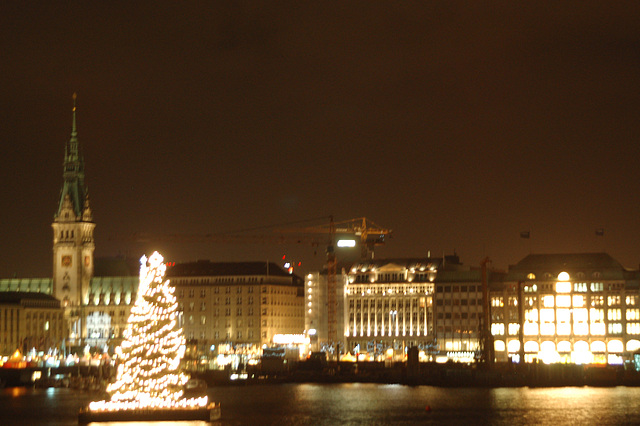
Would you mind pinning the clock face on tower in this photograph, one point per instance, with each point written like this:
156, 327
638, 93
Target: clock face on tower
66, 261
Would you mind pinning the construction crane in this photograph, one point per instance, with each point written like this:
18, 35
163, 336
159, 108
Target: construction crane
371, 235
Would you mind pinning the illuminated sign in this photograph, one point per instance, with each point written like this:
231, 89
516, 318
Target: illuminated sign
290, 339
346, 243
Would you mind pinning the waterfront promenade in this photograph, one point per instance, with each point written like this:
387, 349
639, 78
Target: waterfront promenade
432, 374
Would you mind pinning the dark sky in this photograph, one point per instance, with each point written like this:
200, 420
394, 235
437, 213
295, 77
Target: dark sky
457, 125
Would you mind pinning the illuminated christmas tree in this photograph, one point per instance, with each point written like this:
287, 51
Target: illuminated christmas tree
149, 374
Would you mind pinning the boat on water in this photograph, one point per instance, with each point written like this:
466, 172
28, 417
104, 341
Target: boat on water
195, 387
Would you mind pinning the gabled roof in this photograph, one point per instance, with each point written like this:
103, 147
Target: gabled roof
568, 261
586, 265
23, 297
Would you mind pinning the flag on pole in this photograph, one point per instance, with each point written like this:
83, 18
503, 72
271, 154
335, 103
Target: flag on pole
525, 234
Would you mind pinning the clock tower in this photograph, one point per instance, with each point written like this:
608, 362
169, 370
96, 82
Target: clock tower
73, 243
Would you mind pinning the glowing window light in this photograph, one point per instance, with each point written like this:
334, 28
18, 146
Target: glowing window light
514, 328
497, 329
499, 346
531, 346
598, 346
563, 276
633, 314
614, 359
615, 346
581, 353
633, 328
578, 301
614, 314
548, 354
596, 314
531, 315
580, 328
513, 346
597, 329
563, 301
530, 329
581, 345
615, 328
564, 346
547, 346
548, 301
547, 315
563, 315
564, 329
547, 329
633, 345
563, 287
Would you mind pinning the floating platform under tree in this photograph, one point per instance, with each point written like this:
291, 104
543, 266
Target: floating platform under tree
209, 413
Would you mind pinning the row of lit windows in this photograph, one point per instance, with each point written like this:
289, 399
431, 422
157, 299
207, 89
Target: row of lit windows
579, 315
582, 287
391, 277
394, 303
216, 290
387, 291
564, 301
565, 329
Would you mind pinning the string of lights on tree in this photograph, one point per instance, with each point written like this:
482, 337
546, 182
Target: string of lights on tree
149, 374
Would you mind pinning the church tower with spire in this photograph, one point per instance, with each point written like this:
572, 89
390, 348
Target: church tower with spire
73, 243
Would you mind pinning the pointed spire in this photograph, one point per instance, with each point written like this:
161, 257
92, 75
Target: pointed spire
86, 211
74, 133
73, 154
73, 170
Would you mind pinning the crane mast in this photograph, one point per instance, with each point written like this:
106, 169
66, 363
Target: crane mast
332, 304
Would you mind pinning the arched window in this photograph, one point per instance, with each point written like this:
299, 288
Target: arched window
531, 346
598, 346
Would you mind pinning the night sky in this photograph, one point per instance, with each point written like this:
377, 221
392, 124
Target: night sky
457, 125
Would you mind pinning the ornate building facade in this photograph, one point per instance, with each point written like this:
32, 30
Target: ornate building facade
73, 243
571, 308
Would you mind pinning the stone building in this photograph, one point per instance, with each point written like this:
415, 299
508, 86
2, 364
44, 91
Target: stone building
572, 308
30, 321
237, 303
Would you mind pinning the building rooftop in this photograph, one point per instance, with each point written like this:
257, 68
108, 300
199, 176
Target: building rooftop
568, 261
203, 268
22, 297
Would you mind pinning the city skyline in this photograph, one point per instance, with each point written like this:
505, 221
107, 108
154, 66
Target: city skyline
457, 126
